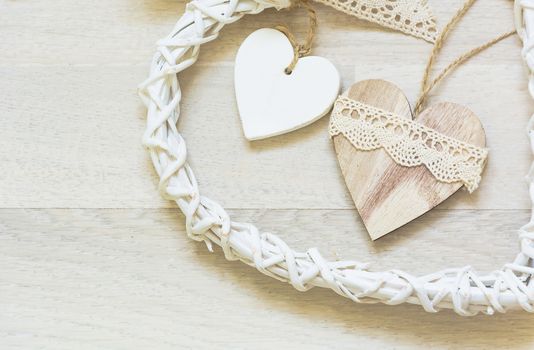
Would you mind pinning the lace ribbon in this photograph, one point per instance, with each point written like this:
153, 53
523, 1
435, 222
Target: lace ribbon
408, 143
412, 17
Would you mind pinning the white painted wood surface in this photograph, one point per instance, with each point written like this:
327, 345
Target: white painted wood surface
91, 257
272, 101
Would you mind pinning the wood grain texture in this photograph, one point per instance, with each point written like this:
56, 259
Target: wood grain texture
128, 279
70, 72
388, 195
126, 276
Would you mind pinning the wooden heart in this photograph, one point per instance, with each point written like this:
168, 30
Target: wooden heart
388, 195
271, 102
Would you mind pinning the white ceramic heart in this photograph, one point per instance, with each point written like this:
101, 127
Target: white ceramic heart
272, 102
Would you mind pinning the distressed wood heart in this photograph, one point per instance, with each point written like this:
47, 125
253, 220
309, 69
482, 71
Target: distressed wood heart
271, 102
388, 195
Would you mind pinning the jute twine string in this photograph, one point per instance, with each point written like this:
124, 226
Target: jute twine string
428, 85
300, 50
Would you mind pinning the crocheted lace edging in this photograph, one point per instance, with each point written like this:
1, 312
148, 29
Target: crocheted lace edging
409, 143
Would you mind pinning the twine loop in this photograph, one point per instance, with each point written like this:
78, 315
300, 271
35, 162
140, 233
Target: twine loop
300, 50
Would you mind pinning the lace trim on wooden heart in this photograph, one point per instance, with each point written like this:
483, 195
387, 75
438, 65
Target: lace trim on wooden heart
409, 16
408, 143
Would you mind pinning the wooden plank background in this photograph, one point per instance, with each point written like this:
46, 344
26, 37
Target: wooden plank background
92, 258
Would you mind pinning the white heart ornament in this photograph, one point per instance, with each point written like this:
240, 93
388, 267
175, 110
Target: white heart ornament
271, 102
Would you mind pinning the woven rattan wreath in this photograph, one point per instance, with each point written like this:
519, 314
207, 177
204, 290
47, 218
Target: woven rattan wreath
460, 289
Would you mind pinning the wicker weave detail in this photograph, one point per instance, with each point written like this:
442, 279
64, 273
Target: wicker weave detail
460, 289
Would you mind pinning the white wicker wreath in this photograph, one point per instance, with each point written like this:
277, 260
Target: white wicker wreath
460, 289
